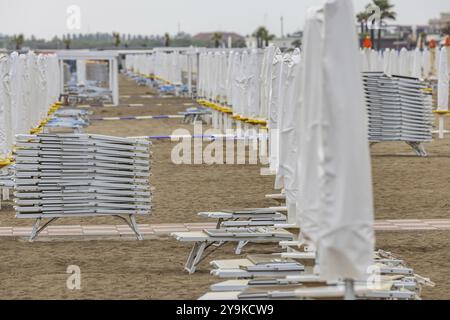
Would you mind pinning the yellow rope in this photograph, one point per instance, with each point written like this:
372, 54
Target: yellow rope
36, 130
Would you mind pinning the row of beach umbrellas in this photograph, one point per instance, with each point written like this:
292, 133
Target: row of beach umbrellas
29, 86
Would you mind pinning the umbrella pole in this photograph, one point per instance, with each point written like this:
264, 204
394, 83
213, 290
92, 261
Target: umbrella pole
349, 290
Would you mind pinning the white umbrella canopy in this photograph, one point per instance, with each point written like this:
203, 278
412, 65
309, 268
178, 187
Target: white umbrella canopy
376, 61
283, 147
365, 60
256, 58
4, 114
288, 133
426, 63
311, 126
443, 81
346, 241
242, 81
448, 57
235, 88
404, 63
229, 78
393, 62
416, 71
266, 81
273, 118
386, 60
335, 148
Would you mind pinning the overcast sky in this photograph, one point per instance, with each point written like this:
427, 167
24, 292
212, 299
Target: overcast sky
45, 18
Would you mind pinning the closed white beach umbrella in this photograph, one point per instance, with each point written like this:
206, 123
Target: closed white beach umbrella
443, 81
426, 63
376, 62
416, 64
386, 60
346, 240
284, 86
393, 63
404, 63
335, 195
266, 81
273, 119
288, 133
256, 58
365, 57
311, 126
5, 110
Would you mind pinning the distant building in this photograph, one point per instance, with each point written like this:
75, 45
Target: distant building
289, 42
440, 23
251, 42
208, 36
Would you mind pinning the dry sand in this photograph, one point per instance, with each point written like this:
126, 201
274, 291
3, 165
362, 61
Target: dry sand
406, 187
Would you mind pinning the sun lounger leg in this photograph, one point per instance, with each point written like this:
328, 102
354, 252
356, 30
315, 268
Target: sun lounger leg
133, 225
195, 257
418, 148
37, 230
5, 194
240, 246
135, 228
349, 290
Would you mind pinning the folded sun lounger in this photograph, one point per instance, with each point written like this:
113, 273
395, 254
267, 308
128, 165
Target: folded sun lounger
214, 239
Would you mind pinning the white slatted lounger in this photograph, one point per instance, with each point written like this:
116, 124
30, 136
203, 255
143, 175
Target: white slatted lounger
277, 197
240, 285
260, 266
247, 218
214, 239
245, 268
257, 217
312, 292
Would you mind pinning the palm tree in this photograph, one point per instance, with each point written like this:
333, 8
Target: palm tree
116, 37
386, 14
67, 42
263, 37
260, 34
18, 40
268, 38
167, 39
217, 38
362, 18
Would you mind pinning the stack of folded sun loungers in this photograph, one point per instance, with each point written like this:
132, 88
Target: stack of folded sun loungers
398, 107
81, 175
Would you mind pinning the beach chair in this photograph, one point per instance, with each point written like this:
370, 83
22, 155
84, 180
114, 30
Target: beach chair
215, 239
192, 115
6, 183
246, 218
313, 291
280, 197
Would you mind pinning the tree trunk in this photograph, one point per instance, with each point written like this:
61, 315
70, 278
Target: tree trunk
379, 38
372, 33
